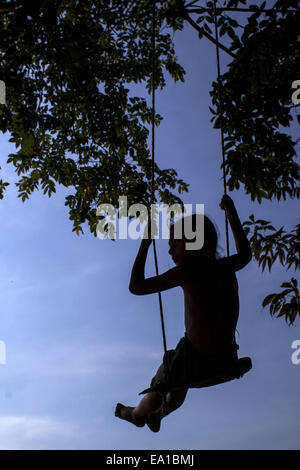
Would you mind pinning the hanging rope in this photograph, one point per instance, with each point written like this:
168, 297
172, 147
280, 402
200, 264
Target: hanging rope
153, 195
221, 118
153, 164
220, 110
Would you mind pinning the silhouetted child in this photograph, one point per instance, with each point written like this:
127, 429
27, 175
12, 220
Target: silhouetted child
211, 307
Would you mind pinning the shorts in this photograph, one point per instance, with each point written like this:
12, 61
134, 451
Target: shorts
186, 365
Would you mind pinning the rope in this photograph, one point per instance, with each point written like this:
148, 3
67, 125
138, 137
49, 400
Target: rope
221, 120
221, 116
153, 196
153, 164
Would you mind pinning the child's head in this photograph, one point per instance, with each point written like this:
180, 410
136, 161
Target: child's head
180, 246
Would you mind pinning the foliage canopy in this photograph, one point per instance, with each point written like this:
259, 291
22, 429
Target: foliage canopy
68, 67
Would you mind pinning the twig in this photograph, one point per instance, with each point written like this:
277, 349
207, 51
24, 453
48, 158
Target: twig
207, 35
245, 10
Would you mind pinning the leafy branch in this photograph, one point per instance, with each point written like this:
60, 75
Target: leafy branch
285, 303
269, 245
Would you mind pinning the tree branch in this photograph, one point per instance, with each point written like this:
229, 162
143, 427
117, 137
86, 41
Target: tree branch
207, 35
242, 10
10, 7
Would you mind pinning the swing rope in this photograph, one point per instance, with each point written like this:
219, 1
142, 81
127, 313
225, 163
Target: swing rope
153, 164
153, 197
153, 142
243, 365
220, 110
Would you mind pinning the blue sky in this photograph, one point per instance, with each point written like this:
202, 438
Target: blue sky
78, 342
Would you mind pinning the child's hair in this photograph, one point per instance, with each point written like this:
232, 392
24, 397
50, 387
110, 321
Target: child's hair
209, 247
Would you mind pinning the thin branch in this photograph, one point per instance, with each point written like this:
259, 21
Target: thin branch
11, 7
208, 36
191, 3
245, 10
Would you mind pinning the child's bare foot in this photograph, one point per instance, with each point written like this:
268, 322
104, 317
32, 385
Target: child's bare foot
126, 412
153, 420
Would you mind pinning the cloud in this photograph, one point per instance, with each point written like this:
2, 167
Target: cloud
84, 356
37, 433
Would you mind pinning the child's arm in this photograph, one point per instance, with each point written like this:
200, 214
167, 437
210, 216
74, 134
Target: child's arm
140, 286
244, 255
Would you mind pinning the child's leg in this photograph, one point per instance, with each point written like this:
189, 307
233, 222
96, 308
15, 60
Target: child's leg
175, 398
137, 415
150, 407
148, 404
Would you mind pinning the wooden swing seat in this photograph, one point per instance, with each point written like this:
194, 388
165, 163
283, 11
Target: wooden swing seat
235, 370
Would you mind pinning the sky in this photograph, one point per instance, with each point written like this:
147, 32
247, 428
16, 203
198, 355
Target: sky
77, 341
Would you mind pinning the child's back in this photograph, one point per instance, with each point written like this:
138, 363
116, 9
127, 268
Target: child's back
211, 304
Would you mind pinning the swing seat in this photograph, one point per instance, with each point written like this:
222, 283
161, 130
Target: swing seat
235, 370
